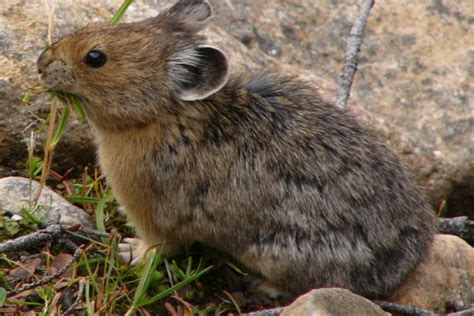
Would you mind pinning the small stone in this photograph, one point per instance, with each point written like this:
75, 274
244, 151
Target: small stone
444, 278
15, 195
17, 217
332, 301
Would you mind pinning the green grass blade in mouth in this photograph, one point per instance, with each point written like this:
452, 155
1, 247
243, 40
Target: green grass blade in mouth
120, 12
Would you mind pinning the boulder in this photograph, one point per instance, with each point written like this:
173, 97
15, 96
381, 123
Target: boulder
412, 87
16, 195
443, 280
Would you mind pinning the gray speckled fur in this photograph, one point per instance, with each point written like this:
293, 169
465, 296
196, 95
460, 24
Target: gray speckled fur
263, 169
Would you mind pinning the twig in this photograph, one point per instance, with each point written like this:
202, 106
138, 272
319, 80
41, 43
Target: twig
187, 305
51, 233
67, 243
92, 232
75, 258
40, 237
460, 226
171, 309
232, 299
353, 44
78, 298
403, 309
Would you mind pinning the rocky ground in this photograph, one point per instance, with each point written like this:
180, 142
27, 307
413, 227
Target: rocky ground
414, 87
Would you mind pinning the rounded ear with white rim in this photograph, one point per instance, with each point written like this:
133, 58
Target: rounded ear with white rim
197, 12
198, 72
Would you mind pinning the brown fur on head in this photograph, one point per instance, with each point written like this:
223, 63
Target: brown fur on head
129, 73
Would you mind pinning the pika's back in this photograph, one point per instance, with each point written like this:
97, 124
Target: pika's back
306, 185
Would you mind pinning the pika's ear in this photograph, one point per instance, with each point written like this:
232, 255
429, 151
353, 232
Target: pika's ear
196, 73
196, 12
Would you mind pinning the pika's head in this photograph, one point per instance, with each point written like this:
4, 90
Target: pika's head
130, 71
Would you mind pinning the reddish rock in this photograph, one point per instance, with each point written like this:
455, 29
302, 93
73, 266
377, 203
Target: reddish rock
331, 302
444, 278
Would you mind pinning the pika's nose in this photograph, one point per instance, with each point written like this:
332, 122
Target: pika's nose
44, 60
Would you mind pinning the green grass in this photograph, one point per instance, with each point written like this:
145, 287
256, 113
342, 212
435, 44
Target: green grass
196, 281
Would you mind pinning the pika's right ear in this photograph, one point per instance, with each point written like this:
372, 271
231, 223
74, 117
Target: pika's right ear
198, 72
195, 12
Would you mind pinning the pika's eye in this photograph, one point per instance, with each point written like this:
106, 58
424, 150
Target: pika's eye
95, 59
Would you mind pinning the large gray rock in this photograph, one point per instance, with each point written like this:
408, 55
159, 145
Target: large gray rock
414, 84
16, 194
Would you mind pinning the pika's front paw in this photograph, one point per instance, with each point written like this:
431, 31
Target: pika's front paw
267, 288
132, 250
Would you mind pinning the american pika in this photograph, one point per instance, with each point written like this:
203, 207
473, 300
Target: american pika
259, 166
